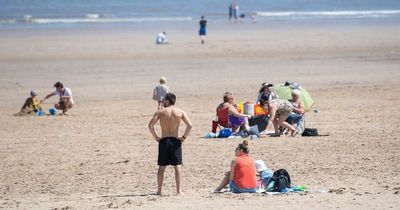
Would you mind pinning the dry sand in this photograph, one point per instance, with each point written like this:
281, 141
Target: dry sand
102, 156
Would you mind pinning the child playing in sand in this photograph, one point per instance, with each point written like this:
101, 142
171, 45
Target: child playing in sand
160, 91
31, 105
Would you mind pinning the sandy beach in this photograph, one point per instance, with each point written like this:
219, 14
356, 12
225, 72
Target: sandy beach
102, 155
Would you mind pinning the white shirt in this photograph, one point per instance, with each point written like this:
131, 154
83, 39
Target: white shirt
160, 91
161, 39
67, 92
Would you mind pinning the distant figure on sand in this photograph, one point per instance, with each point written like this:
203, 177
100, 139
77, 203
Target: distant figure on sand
242, 175
66, 101
230, 11
236, 11
169, 144
31, 105
203, 29
161, 38
160, 91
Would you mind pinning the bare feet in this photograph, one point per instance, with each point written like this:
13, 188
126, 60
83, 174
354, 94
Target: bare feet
179, 193
294, 133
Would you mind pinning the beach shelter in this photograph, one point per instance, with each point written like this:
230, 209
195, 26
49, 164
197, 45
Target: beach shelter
285, 92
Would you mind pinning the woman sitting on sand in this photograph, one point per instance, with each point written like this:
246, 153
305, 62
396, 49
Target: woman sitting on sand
236, 119
242, 176
279, 111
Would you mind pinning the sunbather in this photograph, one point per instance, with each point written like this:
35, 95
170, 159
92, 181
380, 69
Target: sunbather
236, 119
242, 175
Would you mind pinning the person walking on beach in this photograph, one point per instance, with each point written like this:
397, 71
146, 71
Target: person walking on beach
203, 30
66, 101
169, 144
160, 91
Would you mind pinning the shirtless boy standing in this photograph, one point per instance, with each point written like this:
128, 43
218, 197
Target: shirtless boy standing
169, 144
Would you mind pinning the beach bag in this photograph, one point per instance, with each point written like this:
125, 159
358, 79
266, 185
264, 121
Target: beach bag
279, 181
225, 133
310, 132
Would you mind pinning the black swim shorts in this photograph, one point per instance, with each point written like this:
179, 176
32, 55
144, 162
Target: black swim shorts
169, 152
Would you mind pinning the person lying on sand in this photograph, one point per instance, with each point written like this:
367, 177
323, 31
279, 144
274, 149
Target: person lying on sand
169, 144
242, 176
66, 101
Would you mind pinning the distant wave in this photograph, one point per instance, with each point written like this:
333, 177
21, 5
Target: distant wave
97, 19
344, 13
90, 18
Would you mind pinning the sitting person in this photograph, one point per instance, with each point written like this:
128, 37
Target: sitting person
264, 173
267, 90
242, 175
260, 117
279, 111
66, 101
31, 105
161, 38
296, 116
236, 119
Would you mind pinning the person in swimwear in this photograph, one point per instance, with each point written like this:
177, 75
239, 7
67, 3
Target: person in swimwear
169, 144
236, 119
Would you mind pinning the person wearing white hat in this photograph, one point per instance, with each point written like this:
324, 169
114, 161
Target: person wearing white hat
160, 91
264, 172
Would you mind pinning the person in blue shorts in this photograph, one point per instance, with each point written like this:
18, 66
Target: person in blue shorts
203, 29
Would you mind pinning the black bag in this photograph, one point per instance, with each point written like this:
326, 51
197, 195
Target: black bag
310, 132
279, 181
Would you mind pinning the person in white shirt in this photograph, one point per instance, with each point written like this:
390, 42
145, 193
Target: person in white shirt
161, 38
66, 101
160, 91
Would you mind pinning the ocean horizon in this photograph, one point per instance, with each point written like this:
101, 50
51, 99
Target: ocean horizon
58, 13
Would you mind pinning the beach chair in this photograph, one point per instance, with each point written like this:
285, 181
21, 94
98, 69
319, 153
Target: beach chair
222, 120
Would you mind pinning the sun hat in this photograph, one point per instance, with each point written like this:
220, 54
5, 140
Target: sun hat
33, 93
263, 85
260, 166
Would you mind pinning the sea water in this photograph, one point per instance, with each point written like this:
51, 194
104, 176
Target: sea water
56, 13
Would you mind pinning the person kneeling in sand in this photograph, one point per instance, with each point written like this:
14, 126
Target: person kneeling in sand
279, 111
66, 101
31, 105
169, 145
242, 176
162, 38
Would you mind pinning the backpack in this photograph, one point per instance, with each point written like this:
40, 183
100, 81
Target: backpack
279, 181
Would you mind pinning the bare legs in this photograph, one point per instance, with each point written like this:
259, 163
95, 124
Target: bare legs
224, 182
64, 106
280, 121
160, 105
160, 178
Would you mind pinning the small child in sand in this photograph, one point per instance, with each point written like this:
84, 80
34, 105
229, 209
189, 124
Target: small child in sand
264, 173
160, 91
31, 105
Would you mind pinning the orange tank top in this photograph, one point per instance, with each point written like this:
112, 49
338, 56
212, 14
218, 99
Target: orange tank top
245, 172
